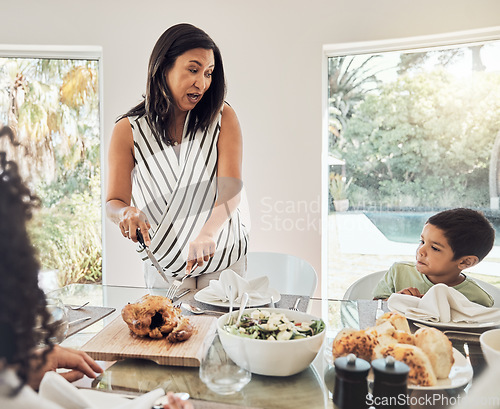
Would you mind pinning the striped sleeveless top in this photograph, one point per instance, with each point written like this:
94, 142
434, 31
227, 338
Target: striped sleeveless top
177, 191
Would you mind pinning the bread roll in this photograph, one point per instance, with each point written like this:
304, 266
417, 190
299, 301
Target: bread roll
351, 341
383, 342
403, 337
397, 337
385, 328
397, 320
438, 348
421, 371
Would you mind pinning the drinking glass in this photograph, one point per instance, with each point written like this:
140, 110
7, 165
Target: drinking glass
219, 372
58, 320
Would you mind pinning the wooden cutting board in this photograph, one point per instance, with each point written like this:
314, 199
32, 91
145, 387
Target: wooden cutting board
116, 342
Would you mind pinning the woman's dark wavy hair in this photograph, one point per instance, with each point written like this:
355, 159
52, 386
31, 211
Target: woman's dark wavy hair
158, 104
22, 302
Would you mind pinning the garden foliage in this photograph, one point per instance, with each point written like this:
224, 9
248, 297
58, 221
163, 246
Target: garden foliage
423, 140
53, 107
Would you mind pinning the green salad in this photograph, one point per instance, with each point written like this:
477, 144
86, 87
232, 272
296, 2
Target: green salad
263, 324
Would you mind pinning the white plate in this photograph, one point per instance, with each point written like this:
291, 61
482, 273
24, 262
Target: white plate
461, 325
460, 374
201, 297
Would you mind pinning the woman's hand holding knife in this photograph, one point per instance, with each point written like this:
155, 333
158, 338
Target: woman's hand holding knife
133, 220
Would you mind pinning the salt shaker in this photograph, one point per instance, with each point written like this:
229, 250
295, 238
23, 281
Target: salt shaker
351, 388
390, 388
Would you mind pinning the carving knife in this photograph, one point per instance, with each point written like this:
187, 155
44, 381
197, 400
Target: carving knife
152, 258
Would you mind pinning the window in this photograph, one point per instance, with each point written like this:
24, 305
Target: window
50, 98
412, 128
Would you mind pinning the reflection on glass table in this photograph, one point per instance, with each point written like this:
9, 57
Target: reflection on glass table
311, 388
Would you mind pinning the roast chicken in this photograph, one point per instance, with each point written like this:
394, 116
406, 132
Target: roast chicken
156, 317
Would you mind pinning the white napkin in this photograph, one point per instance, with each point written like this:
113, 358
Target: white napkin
257, 289
55, 388
443, 304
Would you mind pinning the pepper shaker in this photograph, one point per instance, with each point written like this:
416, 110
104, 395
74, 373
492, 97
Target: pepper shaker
351, 388
390, 387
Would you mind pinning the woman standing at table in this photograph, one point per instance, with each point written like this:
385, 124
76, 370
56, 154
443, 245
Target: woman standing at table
175, 164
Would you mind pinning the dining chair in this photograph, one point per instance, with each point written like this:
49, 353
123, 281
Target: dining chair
362, 288
287, 274
491, 289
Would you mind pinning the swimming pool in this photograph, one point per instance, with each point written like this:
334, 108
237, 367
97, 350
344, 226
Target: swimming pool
406, 227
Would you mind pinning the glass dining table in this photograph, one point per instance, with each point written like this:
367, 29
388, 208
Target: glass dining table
311, 388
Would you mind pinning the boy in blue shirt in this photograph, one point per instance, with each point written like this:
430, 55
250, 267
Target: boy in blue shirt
451, 241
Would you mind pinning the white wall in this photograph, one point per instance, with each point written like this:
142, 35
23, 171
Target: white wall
272, 52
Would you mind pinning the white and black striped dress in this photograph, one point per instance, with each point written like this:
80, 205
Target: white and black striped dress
176, 191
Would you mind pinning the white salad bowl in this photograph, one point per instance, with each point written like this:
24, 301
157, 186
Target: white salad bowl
272, 358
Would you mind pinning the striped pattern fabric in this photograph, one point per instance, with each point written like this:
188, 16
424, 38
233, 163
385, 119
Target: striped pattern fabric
176, 188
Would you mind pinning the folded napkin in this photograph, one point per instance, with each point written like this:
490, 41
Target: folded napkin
257, 289
443, 304
56, 389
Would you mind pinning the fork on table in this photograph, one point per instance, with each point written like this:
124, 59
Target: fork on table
380, 311
77, 307
296, 305
174, 287
467, 355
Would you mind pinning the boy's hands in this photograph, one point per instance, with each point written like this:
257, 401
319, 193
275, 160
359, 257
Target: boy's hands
411, 291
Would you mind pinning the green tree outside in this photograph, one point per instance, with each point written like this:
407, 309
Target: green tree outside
53, 107
423, 140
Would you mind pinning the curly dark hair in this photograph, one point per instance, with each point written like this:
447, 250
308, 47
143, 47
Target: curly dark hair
22, 302
158, 104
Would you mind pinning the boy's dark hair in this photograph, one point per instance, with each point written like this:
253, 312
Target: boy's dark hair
468, 232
